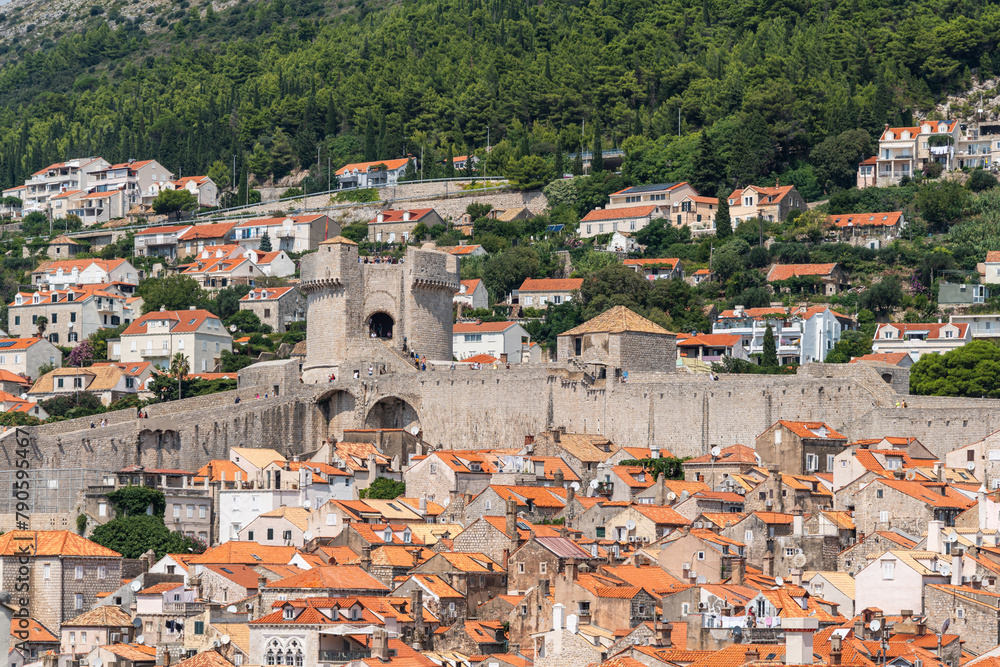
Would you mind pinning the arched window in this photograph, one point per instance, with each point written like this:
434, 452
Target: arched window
289, 657
298, 659
269, 658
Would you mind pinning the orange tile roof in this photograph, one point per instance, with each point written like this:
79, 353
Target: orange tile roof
340, 577
933, 329
890, 219
669, 261
34, 632
662, 515
732, 454
467, 249
812, 430
550, 284
248, 553
993, 256
187, 320
771, 194
214, 230
622, 213
219, 466
480, 359
773, 517
711, 340
241, 575
51, 543
133, 652
891, 358
755, 313
786, 271
482, 327
390, 215
921, 491
366, 166
161, 588
274, 222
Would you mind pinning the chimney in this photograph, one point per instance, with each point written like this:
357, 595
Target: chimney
751, 655
558, 478
663, 630
555, 435
544, 585
956, 567
195, 582
511, 525
261, 583
573, 623
417, 612
797, 521
661, 490
769, 564
940, 472
835, 643
799, 639
570, 570
739, 572
380, 645
366, 558
982, 506
558, 616
570, 495
934, 536
423, 503
797, 577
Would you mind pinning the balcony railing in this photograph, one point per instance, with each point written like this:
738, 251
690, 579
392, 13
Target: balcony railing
147, 352
343, 656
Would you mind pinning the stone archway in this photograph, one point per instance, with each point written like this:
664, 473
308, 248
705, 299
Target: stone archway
380, 324
337, 408
393, 412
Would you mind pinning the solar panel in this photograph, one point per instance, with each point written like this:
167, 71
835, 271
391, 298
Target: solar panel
8, 343
554, 228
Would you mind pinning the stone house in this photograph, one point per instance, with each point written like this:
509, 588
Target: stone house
532, 502
474, 575
583, 452
760, 533
780, 493
710, 502
24, 357
60, 247
907, 505
391, 562
732, 460
644, 524
64, 274
563, 645
531, 614
800, 448
276, 307
543, 558
982, 458
472, 637
689, 555
439, 598
591, 516
472, 295
772, 204
657, 269
896, 580
294, 233
540, 292
616, 342
66, 572
396, 226
102, 625
869, 547
227, 583
829, 278
601, 600
324, 581
73, 314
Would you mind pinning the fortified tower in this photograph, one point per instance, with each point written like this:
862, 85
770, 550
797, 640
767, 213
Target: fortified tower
348, 301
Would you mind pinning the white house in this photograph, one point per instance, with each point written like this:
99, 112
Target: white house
506, 341
920, 338
472, 294
159, 335
822, 328
68, 273
895, 581
203, 188
371, 174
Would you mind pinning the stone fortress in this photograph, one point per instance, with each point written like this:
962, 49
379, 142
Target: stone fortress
349, 300
361, 314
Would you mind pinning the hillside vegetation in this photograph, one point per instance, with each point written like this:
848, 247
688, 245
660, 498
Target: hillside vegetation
777, 82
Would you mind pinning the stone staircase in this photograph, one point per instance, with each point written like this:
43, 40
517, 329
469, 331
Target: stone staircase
381, 355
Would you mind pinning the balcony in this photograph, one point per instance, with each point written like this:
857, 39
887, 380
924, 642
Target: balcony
150, 353
343, 656
285, 233
605, 488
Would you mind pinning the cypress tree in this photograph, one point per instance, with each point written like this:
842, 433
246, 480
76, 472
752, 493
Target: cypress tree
769, 358
450, 162
265, 243
723, 225
371, 141
597, 160
560, 159
707, 167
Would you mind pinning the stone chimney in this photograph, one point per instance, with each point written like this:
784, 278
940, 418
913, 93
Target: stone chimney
797, 521
380, 645
366, 558
769, 565
417, 612
510, 527
195, 582
570, 570
956, 567
558, 478
261, 583
661, 490
751, 655
663, 630
835, 644
739, 572
799, 634
570, 494
796, 576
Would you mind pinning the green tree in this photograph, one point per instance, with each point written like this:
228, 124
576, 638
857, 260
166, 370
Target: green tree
708, 168
597, 159
219, 173
384, 488
227, 300
174, 292
753, 152
135, 535
247, 322
172, 202
614, 285
851, 344
506, 271
356, 232
836, 158
449, 163
282, 156
882, 297
265, 242
980, 180
941, 203
529, 172
41, 324
769, 357
723, 225
138, 500
972, 371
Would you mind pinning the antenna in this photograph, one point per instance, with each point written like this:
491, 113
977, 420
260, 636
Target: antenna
137, 622
135, 585
671, 496
630, 524
594, 484
971, 466
875, 625
307, 504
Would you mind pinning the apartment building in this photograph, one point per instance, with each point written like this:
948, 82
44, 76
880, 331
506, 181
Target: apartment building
197, 238
13, 209
628, 219
505, 341
59, 178
214, 274
73, 314
390, 226
61, 275
916, 339
294, 233
803, 336
24, 356
159, 241
540, 292
158, 336
202, 188
276, 307
660, 194
371, 174
138, 181
696, 213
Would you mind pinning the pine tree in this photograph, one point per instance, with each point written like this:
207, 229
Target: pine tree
597, 160
707, 167
560, 159
577, 168
723, 225
265, 242
371, 141
769, 357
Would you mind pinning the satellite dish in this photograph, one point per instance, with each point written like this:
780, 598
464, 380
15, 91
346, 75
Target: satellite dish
911, 475
952, 537
945, 626
307, 504
630, 524
757, 458
716, 451
414, 430
216, 644
779, 581
136, 586
799, 560
97, 662
307, 535
701, 579
232, 327
575, 486
136, 622
946, 570
875, 625
971, 466
671, 496
225, 639
231, 609
24, 396
594, 484
684, 495
737, 632
141, 639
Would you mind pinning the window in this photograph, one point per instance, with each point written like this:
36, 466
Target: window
102, 572
829, 461
199, 627
520, 568
202, 511
701, 555
267, 312
250, 535
204, 346
17, 319
748, 536
685, 608
542, 568
959, 612
83, 637
78, 574
878, 493
190, 511
102, 509
72, 637
812, 462
434, 467
473, 338
72, 317
970, 455
883, 516
789, 553
270, 533
47, 571
77, 383
600, 531
286, 535
177, 511
59, 383
78, 601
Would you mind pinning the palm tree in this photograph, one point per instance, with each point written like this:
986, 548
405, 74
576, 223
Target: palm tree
179, 367
42, 323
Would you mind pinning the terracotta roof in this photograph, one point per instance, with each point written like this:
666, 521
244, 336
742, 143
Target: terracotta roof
622, 213
277, 222
36, 632
297, 516
551, 284
479, 359
482, 327
812, 430
17, 343
206, 658
186, 321
711, 340
216, 230
772, 195
436, 586
470, 286
914, 131
617, 320
669, 261
51, 543
662, 515
244, 576
219, 466
133, 652
366, 166
730, 454
161, 588
467, 249
471, 561
921, 491
249, 553
104, 378
773, 517
390, 215
755, 313
786, 271
890, 219
102, 616
340, 577
993, 256
891, 358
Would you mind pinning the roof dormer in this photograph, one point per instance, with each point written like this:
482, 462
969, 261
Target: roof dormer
926, 128
905, 134
942, 127
889, 135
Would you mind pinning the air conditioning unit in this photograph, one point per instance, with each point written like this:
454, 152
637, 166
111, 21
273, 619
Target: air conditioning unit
645, 539
702, 605
685, 566
768, 503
